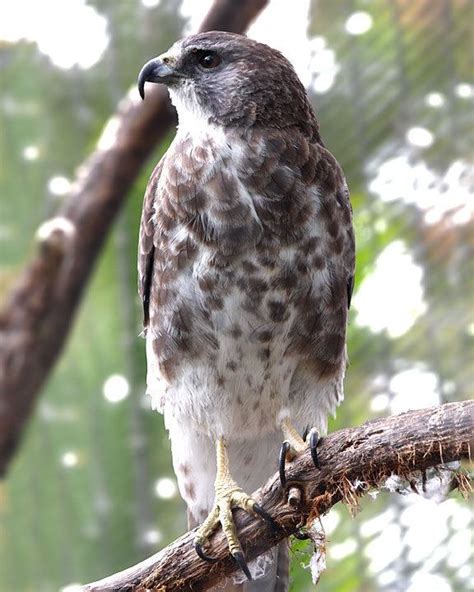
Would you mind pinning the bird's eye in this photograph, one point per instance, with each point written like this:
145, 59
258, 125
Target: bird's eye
208, 59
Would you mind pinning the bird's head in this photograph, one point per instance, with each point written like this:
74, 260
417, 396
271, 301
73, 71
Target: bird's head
230, 80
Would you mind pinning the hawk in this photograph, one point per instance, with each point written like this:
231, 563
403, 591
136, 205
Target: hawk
246, 267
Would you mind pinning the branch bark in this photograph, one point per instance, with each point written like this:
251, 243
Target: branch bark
401, 445
39, 312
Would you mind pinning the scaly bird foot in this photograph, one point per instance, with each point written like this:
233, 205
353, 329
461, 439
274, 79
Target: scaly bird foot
228, 496
293, 445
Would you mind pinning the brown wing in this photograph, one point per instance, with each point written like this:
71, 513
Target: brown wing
146, 243
348, 259
306, 203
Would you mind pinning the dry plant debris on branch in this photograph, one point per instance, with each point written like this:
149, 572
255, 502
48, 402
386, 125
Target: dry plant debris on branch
353, 461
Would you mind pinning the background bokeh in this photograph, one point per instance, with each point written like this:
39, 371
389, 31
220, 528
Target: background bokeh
91, 490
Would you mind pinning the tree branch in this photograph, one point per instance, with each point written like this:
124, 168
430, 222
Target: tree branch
38, 314
401, 445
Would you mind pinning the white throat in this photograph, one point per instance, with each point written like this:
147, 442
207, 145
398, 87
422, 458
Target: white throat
192, 119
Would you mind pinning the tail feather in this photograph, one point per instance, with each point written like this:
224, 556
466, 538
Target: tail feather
282, 582
276, 579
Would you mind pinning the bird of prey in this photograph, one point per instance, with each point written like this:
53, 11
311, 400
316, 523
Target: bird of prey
246, 267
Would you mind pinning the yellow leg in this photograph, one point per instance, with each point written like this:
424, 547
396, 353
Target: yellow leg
292, 436
228, 495
294, 444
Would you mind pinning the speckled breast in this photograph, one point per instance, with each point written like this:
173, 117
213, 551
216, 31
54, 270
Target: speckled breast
249, 292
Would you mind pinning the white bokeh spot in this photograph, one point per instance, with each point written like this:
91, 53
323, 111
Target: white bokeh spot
272, 28
59, 225
330, 521
396, 281
31, 152
152, 536
419, 137
423, 581
438, 195
74, 587
359, 23
165, 488
384, 548
464, 90
150, 3
379, 402
417, 380
116, 388
59, 185
69, 459
435, 100
338, 551
70, 33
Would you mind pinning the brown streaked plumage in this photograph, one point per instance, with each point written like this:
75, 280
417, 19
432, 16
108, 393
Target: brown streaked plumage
246, 265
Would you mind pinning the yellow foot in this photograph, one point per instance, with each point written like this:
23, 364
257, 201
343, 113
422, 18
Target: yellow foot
228, 496
294, 444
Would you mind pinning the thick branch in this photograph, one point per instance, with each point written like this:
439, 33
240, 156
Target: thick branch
38, 314
400, 445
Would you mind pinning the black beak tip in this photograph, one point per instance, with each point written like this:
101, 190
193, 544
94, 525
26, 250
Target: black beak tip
142, 78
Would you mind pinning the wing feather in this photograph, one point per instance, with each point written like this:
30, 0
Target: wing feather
146, 243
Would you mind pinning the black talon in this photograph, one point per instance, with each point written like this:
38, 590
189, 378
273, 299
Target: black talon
266, 516
301, 535
199, 550
282, 462
240, 560
313, 443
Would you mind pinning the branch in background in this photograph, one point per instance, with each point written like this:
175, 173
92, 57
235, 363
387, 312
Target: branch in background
352, 461
39, 312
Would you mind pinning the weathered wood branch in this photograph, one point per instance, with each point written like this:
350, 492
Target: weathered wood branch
400, 445
39, 312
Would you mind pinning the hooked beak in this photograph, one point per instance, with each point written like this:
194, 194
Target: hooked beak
156, 70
